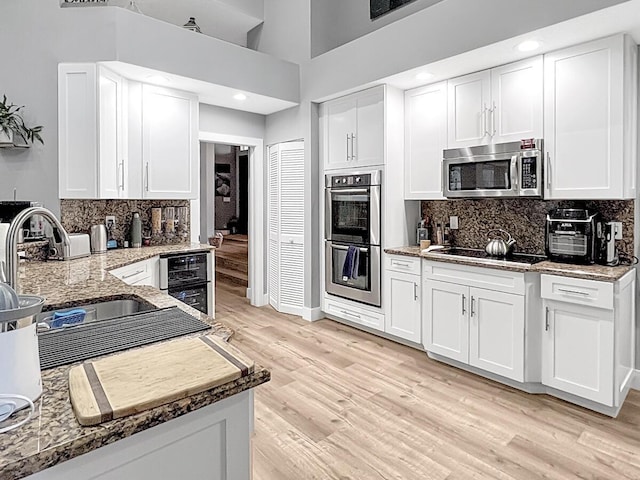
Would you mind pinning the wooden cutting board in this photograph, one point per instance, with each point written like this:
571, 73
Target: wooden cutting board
141, 379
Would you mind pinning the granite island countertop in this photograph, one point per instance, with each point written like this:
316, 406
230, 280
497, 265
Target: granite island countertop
588, 272
54, 435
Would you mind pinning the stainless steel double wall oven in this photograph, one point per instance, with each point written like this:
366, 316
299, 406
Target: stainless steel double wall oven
353, 218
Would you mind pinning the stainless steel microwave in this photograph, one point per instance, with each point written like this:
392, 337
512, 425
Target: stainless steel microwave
512, 169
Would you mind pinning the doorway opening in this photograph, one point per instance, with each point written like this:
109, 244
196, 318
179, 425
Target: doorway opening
232, 204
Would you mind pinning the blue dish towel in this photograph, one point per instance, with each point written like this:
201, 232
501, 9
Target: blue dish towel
351, 264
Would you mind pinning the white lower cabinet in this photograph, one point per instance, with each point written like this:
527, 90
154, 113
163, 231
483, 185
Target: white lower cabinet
496, 332
402, 317
588, 341
146, 272
481, 327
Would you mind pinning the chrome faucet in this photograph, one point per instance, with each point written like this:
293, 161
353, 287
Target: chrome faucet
59, 244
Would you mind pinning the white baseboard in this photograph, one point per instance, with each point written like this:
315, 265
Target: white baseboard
635, 381
248, 293
312, 314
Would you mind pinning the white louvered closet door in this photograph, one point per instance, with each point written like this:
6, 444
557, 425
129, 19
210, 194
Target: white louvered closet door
286, 227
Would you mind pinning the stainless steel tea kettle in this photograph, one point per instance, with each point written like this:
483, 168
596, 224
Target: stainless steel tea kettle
498, 247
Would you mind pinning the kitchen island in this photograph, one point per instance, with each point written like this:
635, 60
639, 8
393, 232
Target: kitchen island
163, 437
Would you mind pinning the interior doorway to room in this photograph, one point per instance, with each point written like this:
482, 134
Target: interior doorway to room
225, 211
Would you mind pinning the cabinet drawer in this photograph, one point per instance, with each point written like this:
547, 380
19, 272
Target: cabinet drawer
133, 273
577, 290
472, 276
355, 315
403, 264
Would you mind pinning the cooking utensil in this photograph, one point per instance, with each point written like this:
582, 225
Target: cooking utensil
498, 247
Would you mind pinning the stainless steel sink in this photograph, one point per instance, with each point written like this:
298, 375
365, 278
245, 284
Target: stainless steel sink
101, 310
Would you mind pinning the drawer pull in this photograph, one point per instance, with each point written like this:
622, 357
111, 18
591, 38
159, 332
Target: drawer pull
415, 291
574, 292
464, 300
546, 319
349, 314
132, 274
400, 264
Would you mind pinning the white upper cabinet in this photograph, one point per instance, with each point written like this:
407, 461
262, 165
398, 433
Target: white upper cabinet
516, 101
77, 131
169, 143
425, 139
353, 130
469, 100
590, 107
500, 105
111, 144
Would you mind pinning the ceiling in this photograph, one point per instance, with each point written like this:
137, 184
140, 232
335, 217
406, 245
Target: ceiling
228, 20
209, 93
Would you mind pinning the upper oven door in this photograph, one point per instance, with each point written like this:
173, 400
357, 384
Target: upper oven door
486, 176
352, 215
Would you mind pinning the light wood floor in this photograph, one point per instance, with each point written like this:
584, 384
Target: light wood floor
343, 404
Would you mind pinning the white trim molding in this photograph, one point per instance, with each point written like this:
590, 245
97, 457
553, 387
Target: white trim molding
257, 200
312, 314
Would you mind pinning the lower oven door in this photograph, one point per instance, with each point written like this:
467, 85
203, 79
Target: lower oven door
365, 287
196, 296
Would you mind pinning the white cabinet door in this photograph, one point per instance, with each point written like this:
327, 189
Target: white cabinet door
516, 101
170, 151
340, 126
286, 227
111, 145
368, 144
578, 351
77, 131
496, 333
445, 319
469, 100
584, 121
425, 139
402, 317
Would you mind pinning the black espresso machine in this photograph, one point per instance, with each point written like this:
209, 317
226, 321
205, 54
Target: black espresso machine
571, 235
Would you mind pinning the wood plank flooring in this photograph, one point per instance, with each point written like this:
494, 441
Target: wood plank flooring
343, 404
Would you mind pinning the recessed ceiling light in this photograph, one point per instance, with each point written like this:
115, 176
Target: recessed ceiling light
529, 45
159, 79
424, 76
240, 96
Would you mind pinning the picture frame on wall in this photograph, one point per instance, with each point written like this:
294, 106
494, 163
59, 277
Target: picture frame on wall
380, 7
223, 180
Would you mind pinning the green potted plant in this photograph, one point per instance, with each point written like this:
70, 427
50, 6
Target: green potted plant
12, 125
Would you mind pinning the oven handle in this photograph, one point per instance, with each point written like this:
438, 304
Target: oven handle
515, 173
349, 190
340, 247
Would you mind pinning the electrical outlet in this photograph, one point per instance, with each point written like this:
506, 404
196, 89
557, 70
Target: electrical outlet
453, 223
617, 230
110, 221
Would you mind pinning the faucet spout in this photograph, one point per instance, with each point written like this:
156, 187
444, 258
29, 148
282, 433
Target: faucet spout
60, 241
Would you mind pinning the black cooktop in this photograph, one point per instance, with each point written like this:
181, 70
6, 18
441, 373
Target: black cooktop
484, 256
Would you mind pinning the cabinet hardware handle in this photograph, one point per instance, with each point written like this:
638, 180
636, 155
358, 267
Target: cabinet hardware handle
473, 301
132, 274
146, 183
484, 120
548, 170
400, 264
464, 300
493, 118
344, 312
415, 291
573, 292
546, 319
122, 174
348, 157
354, 155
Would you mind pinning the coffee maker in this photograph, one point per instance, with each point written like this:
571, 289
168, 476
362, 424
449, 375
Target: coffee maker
608, 233
33, 229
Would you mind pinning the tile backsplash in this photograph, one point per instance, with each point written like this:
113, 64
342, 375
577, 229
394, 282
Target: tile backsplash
523, 218
77, 216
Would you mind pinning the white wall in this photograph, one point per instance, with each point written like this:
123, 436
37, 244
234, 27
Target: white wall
231, 122
435, 33
336, 22
285, 32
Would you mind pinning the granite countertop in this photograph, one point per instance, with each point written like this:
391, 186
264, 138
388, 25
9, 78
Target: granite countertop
588, 272
54, 434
